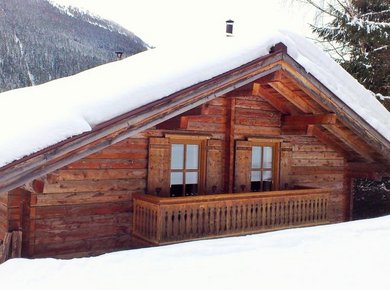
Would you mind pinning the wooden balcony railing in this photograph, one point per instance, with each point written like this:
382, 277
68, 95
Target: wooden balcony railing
161, 221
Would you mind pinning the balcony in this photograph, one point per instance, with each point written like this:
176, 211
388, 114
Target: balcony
162, 220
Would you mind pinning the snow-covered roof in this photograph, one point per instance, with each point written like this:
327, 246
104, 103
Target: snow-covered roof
36, 117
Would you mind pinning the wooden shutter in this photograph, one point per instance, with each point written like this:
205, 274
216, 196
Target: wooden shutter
215, 167
158, 166
242, 178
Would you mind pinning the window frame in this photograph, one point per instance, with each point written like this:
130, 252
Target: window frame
190, 140
275, 145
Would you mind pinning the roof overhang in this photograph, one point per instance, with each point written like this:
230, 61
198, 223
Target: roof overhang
129, 124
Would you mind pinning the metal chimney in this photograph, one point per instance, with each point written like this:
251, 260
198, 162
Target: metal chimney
229, 27
119, 54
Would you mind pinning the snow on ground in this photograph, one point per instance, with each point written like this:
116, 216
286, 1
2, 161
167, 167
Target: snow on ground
348, 256
35, 118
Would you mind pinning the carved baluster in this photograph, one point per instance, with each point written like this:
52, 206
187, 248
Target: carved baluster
170, 224
165, 225
273, 213
218, 220
228, 217
309, 210
241, 217
190, 230
296, 212
196, 223
276, 214
146, 222
149, 223
202, 218
316, 209
183, 222
313, 210
267, 214
142, 220
256, 215
211, 222
250, 216
225, 219
177, 223
263, 214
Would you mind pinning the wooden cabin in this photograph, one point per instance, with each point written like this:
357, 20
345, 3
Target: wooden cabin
261, 147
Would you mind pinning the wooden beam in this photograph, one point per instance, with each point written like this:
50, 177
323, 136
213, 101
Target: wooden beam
294, 129
298, 124
293, 98
36, 185
315, 131
274, 101
323, 119
351, 140
274, 77
365, 170
328, 100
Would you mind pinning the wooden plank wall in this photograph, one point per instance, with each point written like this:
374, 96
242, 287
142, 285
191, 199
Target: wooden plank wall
3, 214
85, 208
255, 117
316, 165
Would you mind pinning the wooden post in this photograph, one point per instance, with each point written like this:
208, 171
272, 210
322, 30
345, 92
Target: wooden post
229, 157
11, 246
16, 251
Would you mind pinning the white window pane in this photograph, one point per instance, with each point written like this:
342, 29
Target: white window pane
267, 162
256, 157
255, 176
176, 178
192, 158
267, 175
192, 178
177, 156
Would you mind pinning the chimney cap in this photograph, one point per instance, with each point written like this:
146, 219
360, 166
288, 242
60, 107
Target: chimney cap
119, 54
229, 27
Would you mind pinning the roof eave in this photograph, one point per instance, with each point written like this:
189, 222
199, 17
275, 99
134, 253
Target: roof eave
344, 112
119, 128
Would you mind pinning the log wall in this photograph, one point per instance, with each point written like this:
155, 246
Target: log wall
3, 214
86, 207
316, 165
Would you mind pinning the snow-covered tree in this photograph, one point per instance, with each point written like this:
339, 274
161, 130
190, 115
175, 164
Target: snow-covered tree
357, 34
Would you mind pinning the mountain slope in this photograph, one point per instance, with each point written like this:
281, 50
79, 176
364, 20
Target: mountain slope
40, 42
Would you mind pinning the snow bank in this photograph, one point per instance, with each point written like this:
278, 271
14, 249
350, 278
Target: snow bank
37, 117
351, 255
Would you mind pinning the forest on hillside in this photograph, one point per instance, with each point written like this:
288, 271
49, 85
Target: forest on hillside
41, 42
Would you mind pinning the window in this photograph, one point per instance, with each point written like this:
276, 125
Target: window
262, 168
177, 165
257, 164
185, 169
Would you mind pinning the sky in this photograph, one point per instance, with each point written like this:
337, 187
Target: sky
159, 22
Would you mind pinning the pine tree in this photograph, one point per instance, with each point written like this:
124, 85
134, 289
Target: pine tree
357, 35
